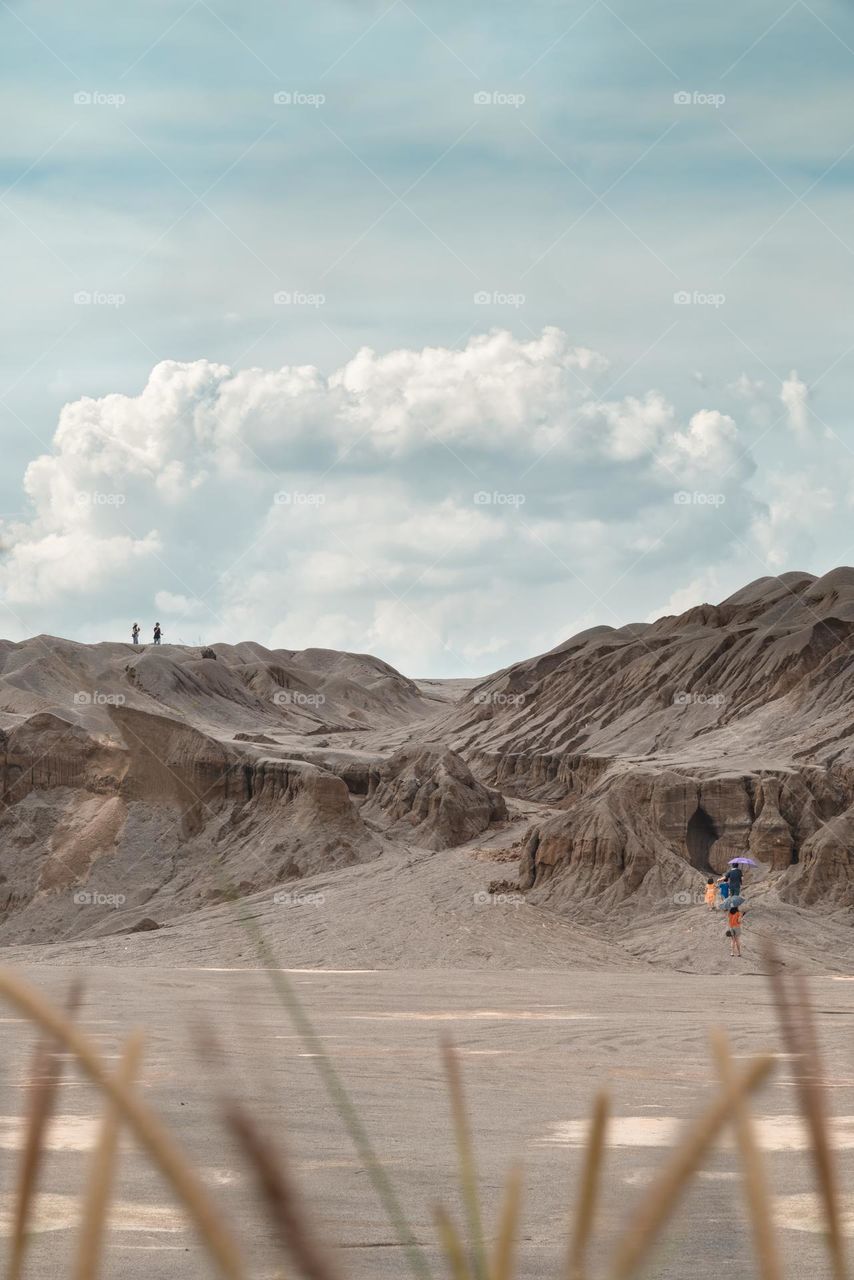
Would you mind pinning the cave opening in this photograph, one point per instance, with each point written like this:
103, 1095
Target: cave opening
700, 837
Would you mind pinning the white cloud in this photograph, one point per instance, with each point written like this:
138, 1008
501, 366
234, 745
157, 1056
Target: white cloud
786, 532
177, 605
795, 397
706, 588
423, 503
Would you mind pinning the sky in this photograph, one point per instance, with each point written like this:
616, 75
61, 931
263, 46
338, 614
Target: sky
436, 331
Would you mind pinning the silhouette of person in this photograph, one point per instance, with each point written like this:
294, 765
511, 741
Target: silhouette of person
135, 633
157, 633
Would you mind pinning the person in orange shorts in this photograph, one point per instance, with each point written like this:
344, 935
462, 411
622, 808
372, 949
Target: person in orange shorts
734, 931
711, 894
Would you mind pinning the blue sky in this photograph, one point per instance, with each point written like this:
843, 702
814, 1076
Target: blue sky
384, 199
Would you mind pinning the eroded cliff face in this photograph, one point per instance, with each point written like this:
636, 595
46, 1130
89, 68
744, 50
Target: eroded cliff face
632, 819
156, 814
429, 795
726, 731
662, 750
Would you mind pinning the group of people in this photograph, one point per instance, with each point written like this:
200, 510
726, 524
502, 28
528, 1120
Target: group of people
135, 633
725, 894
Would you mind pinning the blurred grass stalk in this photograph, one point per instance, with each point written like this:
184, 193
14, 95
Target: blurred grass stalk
464, 1260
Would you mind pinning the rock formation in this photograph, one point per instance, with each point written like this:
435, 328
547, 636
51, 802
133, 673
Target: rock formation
429, 795
158, 780
728, 730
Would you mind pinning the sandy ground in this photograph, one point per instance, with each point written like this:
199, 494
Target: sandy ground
535, 1047
413, 909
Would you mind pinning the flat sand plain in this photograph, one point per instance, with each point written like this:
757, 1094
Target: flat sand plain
535, 1044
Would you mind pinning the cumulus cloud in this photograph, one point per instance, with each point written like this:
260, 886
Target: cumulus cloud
795, 397
422, 503
176, 605
797, 505
706, 588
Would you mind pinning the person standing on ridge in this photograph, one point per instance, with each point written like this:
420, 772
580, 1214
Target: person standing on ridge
157, 633
135, 633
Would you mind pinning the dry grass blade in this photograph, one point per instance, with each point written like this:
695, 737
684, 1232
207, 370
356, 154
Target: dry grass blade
287, 1212
415, 1257
148, 1130
97, 1200
799, 1032
662, 1198
585, 1213
46, 1074
799, 1035
465, 1153
758, 1199
452, 1245
508, 1226
813, 1076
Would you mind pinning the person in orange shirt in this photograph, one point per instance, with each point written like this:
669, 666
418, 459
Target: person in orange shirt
711, 894
734, 931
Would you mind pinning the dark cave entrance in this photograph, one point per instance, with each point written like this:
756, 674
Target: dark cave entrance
700, 837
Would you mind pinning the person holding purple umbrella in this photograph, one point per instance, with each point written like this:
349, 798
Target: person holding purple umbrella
734, 874
733, 879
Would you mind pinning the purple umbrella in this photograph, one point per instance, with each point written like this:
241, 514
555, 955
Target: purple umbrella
748, 862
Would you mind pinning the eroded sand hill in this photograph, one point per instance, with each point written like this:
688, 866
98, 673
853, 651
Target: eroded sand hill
568, 807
